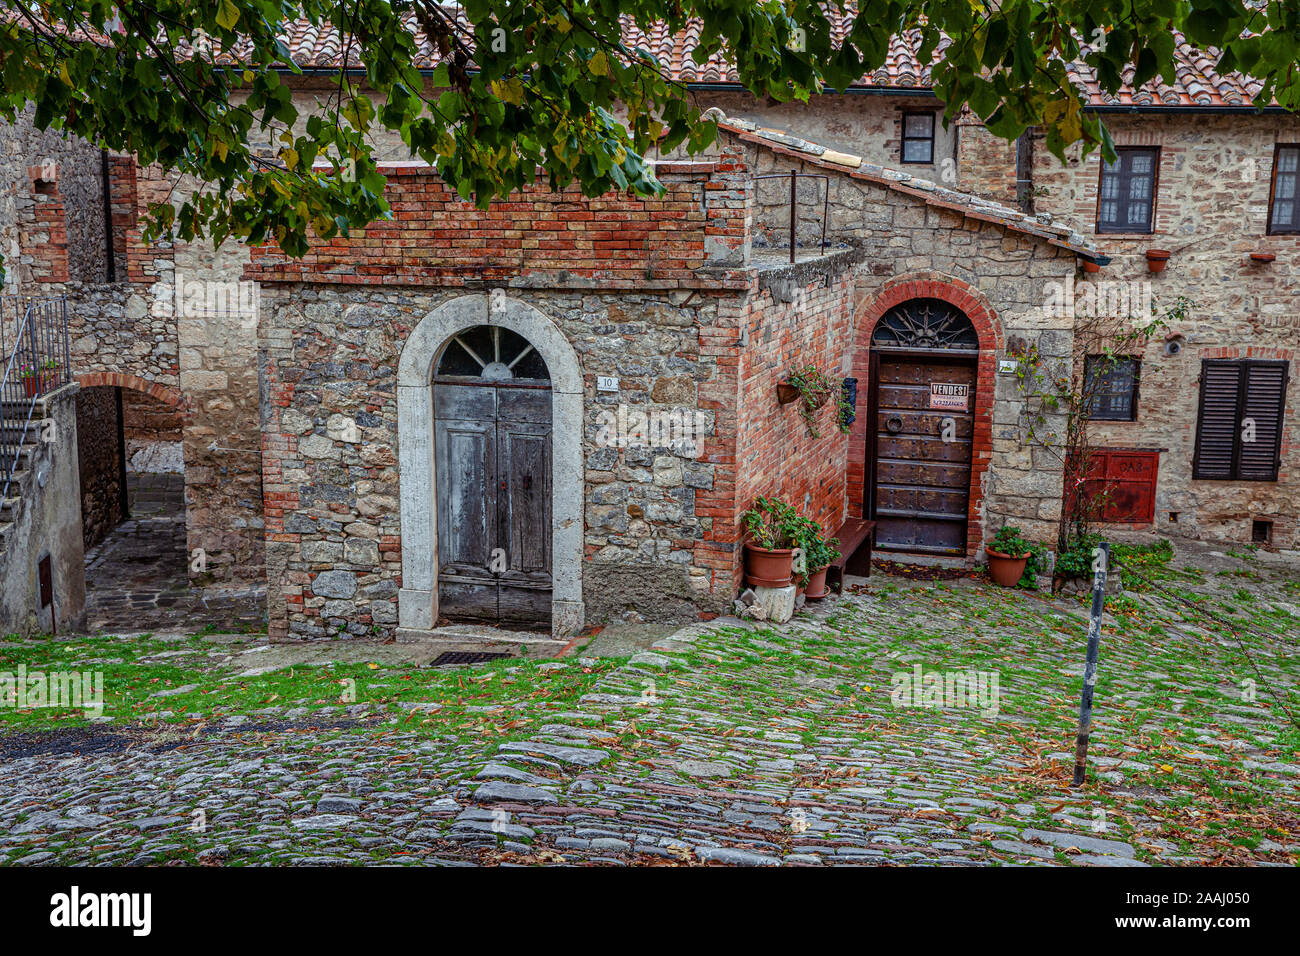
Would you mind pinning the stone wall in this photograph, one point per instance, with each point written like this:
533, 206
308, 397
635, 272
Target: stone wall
329, 418
1211, 211
51, 208
99, 458
330, 448
863, 124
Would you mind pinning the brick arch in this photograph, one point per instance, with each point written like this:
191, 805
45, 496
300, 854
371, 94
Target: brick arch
930, 285
163, 393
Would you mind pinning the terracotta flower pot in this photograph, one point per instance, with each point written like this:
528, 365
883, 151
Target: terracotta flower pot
786, 393
1090, 266
768, 568
1157, 259
1005, 569
31, 385
816, 585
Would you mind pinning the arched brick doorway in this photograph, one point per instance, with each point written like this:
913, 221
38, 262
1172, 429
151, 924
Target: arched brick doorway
939, 337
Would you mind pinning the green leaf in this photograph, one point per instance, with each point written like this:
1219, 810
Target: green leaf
227, 14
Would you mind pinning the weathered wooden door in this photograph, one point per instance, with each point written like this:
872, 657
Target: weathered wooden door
923, 377
492, 452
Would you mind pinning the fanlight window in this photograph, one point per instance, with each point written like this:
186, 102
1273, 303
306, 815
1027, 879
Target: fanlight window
493, 354
925, 324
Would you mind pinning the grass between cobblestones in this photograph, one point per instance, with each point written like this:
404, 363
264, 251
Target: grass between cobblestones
761, 742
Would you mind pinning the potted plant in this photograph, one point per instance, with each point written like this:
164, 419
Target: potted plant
1008, 553
770, 527
31, 381
1157, 259
818, 553
49, 376
815, 387
821, 554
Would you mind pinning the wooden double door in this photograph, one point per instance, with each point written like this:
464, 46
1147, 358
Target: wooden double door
492, 452
919, 469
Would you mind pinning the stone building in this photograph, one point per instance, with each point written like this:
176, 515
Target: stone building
303, 397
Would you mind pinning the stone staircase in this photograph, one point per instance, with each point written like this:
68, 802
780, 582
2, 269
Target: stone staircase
13, 415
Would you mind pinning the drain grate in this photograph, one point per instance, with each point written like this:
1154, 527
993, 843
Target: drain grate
466, 657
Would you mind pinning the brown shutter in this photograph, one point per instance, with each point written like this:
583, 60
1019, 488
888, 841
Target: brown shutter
1265, 399
1217, 425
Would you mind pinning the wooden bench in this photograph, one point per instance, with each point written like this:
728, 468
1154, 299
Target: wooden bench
856, 538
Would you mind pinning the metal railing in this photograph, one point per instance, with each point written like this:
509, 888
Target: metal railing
34, 346
794, 176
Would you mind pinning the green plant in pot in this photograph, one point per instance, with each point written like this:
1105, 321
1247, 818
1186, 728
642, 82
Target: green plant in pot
1008, 553
771, 527
819, 554
815, 388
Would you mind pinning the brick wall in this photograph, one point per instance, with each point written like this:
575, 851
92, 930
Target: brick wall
986, 164
801, 315
437, 238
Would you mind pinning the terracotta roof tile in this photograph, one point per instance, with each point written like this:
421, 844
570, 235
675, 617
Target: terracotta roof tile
1197, 82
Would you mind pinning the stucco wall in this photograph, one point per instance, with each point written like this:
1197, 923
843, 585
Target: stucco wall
46, 521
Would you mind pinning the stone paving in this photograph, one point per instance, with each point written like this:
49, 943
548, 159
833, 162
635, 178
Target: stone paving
137, 578
723, 744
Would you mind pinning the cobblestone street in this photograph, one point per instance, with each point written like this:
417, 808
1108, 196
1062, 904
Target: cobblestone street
725, 743
137, 578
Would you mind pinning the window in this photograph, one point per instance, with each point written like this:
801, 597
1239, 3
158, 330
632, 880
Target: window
918, 137
1111, 386
1128, 189
1239, 427
1284, 205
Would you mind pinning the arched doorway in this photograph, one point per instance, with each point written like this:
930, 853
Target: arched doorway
923, 375
492, 454
422, 498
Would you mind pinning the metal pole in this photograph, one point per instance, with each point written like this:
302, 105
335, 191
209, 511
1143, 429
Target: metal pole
794, 174
1101, 562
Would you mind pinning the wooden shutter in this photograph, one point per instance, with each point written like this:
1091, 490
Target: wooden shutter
1264, 401
1231, 393
1217, 426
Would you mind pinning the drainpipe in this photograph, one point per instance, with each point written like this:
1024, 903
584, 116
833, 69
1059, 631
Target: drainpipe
1025, 172
107, 191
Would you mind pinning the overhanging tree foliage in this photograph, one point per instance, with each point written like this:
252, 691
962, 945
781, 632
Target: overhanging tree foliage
544, 84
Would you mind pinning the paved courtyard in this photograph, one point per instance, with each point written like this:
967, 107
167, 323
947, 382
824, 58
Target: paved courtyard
725, 743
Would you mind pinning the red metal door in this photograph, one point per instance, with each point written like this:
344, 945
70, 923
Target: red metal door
1122, 482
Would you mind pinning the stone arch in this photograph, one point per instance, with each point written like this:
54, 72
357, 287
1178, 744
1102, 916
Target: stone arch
418, 598
163, 393
977, 308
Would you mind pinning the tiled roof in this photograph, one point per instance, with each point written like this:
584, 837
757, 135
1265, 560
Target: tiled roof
1040, 226
1197, 82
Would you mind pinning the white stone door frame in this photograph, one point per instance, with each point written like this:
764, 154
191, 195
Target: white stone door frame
417, 602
